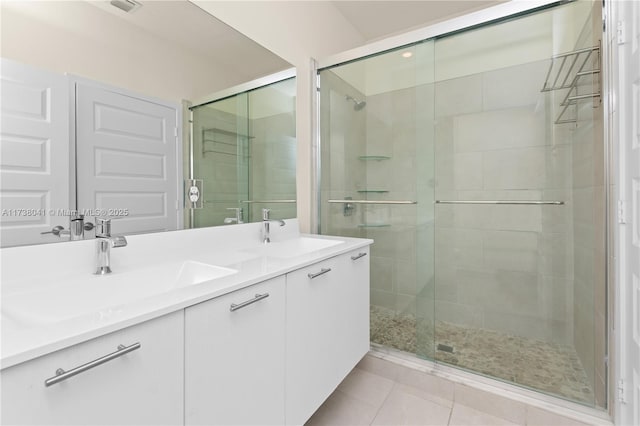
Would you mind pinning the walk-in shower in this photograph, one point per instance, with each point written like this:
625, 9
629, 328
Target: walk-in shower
242, 155
477, 167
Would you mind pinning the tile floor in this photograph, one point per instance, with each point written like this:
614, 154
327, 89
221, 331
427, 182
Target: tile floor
380, 392
544, 366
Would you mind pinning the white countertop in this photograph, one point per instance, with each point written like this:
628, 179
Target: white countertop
36, 278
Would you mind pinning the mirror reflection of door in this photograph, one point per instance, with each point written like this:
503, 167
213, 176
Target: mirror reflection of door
126, 167
34, 161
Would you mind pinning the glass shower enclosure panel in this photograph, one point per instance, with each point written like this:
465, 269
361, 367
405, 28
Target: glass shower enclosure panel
519, 229
272, 159
377, 181
244, 154
220, 157
475, 163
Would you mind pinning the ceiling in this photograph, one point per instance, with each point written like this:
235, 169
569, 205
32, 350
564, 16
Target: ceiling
187, 25
379, 19
183, 23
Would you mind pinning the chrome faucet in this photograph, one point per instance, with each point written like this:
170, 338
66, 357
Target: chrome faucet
237, 219
77, 226
104, 242
265, 225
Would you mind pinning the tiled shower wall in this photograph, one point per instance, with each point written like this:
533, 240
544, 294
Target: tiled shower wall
399, 125
272, 171
342, 141
265, 170
589, 227
223, 179
503, 267
397, 128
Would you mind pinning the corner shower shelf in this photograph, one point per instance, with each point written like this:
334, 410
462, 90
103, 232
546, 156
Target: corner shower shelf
373, 157
565, 72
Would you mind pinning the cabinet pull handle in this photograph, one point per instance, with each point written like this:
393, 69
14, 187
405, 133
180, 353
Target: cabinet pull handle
62, 375
358, 256
317, 274
235, 307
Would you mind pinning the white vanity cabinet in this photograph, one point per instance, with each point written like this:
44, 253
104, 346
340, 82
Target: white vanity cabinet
235, 357
327, 329
142, 386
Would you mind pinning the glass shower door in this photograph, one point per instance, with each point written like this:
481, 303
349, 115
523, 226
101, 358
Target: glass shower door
475, 163
377, 182
220, 157
517, 189
244, 153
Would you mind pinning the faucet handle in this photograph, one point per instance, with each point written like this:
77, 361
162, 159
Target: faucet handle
238, 211
56, 230
265, 214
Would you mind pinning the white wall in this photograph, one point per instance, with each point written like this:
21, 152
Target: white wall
79, 38
297, 32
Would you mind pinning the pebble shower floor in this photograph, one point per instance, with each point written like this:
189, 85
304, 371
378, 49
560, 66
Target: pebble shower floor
542, 366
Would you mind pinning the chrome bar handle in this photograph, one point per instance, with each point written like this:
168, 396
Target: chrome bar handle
62, 375
372, 201
317, 274
267, 201
358, 256
508, 202
258, 297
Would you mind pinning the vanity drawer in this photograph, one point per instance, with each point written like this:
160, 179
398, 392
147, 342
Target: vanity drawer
136, 385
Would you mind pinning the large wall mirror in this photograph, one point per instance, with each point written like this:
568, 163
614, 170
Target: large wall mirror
243, 155
102, 113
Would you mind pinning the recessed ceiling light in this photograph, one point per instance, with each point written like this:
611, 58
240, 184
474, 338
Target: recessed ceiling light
407, 54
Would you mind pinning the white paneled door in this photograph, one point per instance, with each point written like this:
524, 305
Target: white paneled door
127, 159
628, 412
34, 153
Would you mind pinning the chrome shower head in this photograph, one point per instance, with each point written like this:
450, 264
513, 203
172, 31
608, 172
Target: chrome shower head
358, 104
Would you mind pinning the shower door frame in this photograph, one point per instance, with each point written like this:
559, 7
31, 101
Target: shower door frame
466, 22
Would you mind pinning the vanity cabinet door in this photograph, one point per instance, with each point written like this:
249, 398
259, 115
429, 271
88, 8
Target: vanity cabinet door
141, 387
234, 357
327, 329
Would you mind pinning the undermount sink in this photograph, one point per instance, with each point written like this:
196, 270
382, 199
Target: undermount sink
192, 273
294, 247
103, 295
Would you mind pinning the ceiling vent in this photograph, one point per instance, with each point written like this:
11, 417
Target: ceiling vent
127, 6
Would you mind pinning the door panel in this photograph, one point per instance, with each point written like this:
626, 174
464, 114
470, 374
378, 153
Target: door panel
130, 147
34, 163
